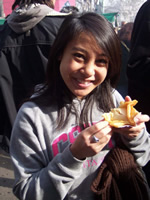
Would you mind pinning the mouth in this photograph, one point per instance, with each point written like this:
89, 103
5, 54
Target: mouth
82, 83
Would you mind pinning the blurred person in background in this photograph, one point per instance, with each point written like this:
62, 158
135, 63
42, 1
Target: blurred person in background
25, 41
69, 9
138, 69
125, 38
125, 33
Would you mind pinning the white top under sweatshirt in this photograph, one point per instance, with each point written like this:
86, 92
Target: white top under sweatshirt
43, 164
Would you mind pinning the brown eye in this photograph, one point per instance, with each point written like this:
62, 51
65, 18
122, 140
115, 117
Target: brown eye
78, 55
102, 61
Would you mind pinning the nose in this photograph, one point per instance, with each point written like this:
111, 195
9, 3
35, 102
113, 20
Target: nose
88, 70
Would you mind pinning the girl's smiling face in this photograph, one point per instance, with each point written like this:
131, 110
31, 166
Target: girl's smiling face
83, 65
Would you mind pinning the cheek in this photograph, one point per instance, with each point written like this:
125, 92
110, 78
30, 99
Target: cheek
101, 75
62, 70
66, 64
65, 70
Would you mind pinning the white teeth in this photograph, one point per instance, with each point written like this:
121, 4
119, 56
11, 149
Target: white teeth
83, 82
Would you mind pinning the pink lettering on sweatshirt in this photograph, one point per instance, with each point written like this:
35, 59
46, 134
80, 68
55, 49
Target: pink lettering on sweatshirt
63, 140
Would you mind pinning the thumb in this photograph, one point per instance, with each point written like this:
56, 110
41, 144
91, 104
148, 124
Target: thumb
128, 98
139, 118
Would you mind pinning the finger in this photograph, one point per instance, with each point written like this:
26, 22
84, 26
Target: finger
97, 147
139, 118
128, 98
97, 127
105, 139
129, 129
101, 134
104, 132
131, 132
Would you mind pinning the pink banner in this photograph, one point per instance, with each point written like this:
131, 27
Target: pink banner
7, 4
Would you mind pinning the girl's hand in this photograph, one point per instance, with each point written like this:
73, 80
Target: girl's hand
133, 131
85, 147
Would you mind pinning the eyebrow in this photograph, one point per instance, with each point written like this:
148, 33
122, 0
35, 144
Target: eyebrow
79, 49
82, 50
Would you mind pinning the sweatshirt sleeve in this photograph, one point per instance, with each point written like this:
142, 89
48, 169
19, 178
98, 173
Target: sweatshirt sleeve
36, 176
139, 146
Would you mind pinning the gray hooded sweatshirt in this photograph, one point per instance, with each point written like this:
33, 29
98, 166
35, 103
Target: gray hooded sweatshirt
44, 167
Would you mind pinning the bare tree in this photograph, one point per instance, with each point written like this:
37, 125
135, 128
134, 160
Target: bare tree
127, 9
87, 5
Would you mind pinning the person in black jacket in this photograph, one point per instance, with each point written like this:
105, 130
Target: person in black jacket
125, 38
25, 41
138, 69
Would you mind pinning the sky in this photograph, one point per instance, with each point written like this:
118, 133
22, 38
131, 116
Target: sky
127, 9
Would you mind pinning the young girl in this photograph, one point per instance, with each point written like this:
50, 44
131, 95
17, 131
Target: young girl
59, 138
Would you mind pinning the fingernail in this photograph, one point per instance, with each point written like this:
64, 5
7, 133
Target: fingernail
136, 120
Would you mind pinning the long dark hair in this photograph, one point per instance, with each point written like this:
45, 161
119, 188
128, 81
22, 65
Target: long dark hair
22, 3
56, 92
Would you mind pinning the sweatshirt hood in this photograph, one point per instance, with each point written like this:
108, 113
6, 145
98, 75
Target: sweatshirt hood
23, 19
